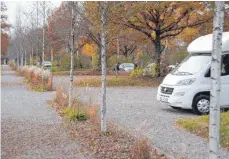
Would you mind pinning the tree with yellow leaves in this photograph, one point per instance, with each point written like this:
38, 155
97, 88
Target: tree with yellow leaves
161, 20
90, 49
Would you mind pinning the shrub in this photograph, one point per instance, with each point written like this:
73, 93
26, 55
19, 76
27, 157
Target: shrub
153, 70
150, 70
65, 62
54, 64
85, 61
12, 65
40, 80
112, 61
78, 110
95, 62
92, 112
142, 149
54, 69
39, 88
138, 72
61, 98
72, 113
27, 80
34, 61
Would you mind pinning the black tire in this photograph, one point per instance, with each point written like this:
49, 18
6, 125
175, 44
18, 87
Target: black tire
196, 100
175, 107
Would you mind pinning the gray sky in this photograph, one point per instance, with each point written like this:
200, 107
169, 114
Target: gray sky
12, 7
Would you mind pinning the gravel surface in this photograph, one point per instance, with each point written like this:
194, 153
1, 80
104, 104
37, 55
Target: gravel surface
138, 110
30, 128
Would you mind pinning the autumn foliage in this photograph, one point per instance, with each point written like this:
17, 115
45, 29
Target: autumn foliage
4, 30
4, 42
90, 49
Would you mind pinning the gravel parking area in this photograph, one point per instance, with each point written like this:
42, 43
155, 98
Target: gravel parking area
138, 110
30, 128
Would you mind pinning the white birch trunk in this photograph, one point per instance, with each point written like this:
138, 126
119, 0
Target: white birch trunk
118, 50
17, 60
214, 123
77, 53
37, 56
25, 58
22, 57
32, 57
51, 55
72, 61
43, 41
22, 60
103, 63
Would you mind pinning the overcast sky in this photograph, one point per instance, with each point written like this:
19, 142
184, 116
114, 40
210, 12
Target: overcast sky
12, 8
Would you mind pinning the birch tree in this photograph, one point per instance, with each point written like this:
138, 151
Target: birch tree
72, 55
43, 10
214, 124
18, 33
31, 34
103, 63
43, 33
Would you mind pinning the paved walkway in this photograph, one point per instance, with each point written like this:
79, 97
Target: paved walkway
30, 128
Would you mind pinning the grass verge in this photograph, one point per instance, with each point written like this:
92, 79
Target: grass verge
38, 88
121, 82
200, 127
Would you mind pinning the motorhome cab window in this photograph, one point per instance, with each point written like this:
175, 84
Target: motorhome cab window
192, 64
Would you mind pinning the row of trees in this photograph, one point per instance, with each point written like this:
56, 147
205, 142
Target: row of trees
152, 28
28, 39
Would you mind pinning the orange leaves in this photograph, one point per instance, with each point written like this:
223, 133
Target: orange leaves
82, 40
4, 29
189, 34
90, 49
4, 43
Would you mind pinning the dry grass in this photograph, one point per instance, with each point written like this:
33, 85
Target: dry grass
120, 82
142, 149
38, 79
61, 98
116, 144
200, 126
12, 65
78, 110
88, 72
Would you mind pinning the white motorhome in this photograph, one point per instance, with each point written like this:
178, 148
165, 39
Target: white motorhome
188, 85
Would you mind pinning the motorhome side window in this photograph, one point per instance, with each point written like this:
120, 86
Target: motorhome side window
225, 67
